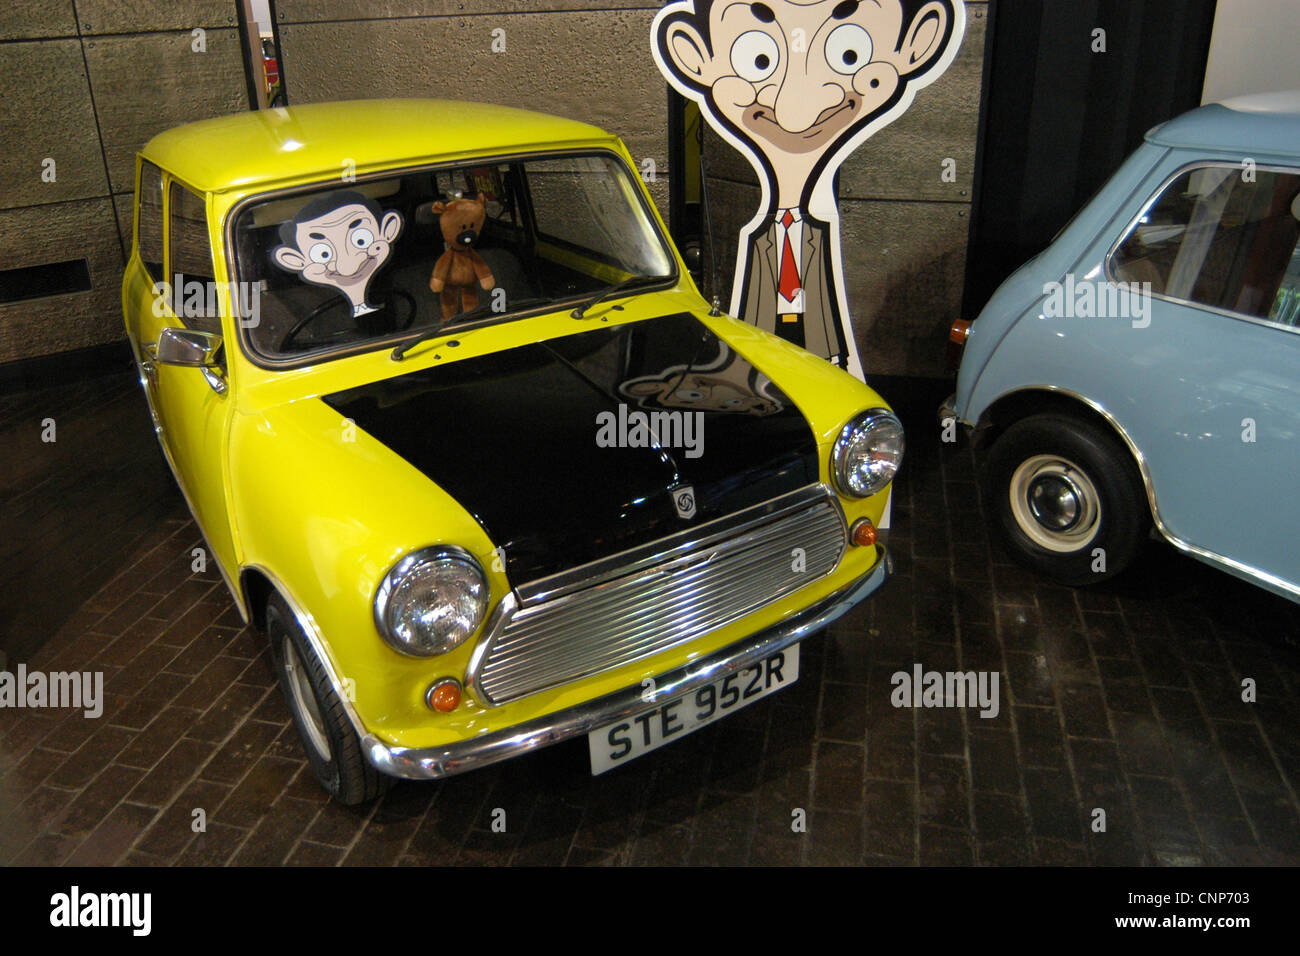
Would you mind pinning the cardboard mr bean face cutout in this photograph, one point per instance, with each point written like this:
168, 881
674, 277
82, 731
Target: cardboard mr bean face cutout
340, 240
797, 87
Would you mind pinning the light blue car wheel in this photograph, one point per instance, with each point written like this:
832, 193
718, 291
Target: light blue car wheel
1065, 498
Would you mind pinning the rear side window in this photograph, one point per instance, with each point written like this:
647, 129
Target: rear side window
149, 228
1222, 236
193, 286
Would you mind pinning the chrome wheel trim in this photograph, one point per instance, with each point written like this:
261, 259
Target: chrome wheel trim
1055, 503
304, 699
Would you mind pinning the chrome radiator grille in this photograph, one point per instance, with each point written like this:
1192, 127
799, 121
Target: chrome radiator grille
685, 589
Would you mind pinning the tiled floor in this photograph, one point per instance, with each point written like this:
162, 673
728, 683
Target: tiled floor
1126, 699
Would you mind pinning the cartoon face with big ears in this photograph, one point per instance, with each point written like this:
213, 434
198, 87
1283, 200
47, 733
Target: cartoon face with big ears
339, 240
796, 86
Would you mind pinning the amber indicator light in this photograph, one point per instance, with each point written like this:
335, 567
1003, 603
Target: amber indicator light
444, 696
864, 533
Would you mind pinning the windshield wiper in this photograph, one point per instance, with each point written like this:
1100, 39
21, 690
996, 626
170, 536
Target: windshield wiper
485, 308
614, 289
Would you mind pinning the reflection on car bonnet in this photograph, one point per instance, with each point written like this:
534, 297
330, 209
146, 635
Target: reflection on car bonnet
722, 385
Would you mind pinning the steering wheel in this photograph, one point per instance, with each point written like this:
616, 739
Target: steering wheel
336, 302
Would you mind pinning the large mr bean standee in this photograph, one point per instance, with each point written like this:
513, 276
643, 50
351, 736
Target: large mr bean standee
797, 87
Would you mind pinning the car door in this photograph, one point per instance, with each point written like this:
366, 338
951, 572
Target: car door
142, 289
191, 408
1218, 367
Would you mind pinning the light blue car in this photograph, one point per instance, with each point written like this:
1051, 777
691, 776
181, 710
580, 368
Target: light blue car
1144, 370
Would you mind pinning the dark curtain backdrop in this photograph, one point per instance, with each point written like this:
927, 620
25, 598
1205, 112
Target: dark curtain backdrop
1059, 119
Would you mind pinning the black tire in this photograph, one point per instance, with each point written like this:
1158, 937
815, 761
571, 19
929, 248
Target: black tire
331, 745
1058, 489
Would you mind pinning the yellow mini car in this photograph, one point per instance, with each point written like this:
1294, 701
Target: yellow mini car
468, 445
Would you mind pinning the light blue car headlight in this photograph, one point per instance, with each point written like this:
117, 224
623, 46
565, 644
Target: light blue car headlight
431, 601
868, 453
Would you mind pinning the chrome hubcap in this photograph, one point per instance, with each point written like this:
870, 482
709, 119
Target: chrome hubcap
304, 700
1055, 503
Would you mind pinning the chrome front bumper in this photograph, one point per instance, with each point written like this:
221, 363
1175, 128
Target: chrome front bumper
433, 762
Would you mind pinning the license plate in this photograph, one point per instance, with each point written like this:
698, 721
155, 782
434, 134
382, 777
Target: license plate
615, 744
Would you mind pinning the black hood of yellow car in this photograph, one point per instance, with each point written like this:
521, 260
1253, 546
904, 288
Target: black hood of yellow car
535, 441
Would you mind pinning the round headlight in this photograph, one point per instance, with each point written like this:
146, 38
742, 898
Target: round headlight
431, 601
867, 453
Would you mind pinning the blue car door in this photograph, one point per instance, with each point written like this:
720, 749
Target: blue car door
1218, 367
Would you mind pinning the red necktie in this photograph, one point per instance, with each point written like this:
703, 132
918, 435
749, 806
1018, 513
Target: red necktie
789, 269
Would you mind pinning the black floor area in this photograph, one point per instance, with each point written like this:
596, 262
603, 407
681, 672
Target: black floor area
82, 482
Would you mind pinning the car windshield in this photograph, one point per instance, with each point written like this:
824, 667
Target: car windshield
350, 265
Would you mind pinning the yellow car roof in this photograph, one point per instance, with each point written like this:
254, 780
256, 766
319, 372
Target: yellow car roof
232, 152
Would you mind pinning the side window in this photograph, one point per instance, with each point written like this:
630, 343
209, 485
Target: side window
1223, 237
557, 188
190, 258
589, 204
149, 227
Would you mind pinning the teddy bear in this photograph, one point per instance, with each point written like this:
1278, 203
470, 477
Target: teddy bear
460, 270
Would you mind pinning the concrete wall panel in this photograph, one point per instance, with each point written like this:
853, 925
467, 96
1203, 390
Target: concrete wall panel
37, 18
148, 83
124, 206
316, 11
904, 264
47, 114
591, 66
905, 159
150, 16
57, 232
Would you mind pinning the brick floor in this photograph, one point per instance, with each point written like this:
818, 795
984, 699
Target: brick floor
1124, 699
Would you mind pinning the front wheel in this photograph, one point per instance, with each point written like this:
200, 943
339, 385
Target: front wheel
1066, 498
332, 746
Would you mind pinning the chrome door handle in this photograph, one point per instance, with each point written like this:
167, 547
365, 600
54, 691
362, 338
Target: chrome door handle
147, 365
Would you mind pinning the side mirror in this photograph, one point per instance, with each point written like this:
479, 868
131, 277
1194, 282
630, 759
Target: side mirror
192, 349
188, 347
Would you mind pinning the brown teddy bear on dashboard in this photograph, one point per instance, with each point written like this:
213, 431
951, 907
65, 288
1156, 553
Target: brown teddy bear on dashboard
460, 270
